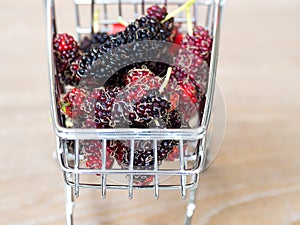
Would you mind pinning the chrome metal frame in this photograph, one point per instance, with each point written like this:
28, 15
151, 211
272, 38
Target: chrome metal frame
189, 176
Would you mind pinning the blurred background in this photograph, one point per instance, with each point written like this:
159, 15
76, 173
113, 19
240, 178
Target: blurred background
255, 178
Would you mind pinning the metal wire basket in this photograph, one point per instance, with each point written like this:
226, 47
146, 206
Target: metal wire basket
182, 175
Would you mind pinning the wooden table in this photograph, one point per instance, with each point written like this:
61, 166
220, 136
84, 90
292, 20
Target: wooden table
255, 178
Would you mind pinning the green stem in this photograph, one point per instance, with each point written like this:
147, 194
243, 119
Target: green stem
189, 21
166, 81
156, 123
122, 21
96, 19
179, 10
64, 106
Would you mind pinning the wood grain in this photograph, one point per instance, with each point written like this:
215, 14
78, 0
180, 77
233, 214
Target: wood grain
255, 178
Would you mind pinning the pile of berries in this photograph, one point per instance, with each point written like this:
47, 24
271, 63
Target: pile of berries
103, 87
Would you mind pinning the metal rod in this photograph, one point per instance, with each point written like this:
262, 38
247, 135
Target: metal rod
131, 168
104, 146
135, 133
105, 14
190, 209
167, 172
189, 185
166, 3
202, 147
195, 9
182, 167
120, 8
208, 21
175, 172
76, 168
92, 17
216, 26
143, 7
55, 87
104, 168
69, 204
156, 177
136, 13
53, 18
103, 184
65, 152
112, 2
77, 20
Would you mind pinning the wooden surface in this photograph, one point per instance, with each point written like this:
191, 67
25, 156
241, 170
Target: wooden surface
255, 178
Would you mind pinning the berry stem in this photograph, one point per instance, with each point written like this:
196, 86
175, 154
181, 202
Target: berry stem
166, 81
156, 123
64, 106
189, 21
95, 21
179, 10
122, 21
69, 123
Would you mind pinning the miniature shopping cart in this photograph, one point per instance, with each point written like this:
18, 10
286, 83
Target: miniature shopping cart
183, 175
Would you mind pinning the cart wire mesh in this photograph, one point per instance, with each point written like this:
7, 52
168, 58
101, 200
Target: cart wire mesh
192, 144
70, 162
